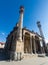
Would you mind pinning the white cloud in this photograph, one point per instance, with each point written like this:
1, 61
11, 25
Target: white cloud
3, 33
46, 40
2, 37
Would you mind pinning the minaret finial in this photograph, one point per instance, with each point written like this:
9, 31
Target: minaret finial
21, 9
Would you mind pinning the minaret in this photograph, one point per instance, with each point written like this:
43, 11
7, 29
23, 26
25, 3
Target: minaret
41, 33
40, 29
19, 43
21, 22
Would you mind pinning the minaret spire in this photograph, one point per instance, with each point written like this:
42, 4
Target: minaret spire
41, 33
40, 29
21, 11
21, 16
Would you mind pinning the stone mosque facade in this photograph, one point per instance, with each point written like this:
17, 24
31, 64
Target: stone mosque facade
22, 40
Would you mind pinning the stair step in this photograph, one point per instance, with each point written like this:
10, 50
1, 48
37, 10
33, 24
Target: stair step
41, 55
30, 55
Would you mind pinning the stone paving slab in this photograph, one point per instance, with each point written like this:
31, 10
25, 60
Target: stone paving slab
27, 61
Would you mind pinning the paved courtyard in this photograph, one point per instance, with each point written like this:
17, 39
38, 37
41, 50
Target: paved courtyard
27, 61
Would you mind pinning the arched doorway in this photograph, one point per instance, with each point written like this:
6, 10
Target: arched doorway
38, 47
33, 45
27, 46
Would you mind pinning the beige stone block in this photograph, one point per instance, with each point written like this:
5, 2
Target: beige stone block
19, 46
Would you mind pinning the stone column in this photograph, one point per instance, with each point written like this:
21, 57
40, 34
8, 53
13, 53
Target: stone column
31, 43
41, 46
43, 51
23, 36
34, 45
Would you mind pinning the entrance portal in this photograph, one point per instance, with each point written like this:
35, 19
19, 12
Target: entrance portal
27, 45
38, 47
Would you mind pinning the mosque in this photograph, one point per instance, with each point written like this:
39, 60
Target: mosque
23, 41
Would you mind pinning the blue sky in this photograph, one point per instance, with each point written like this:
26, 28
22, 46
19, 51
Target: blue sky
34, 10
